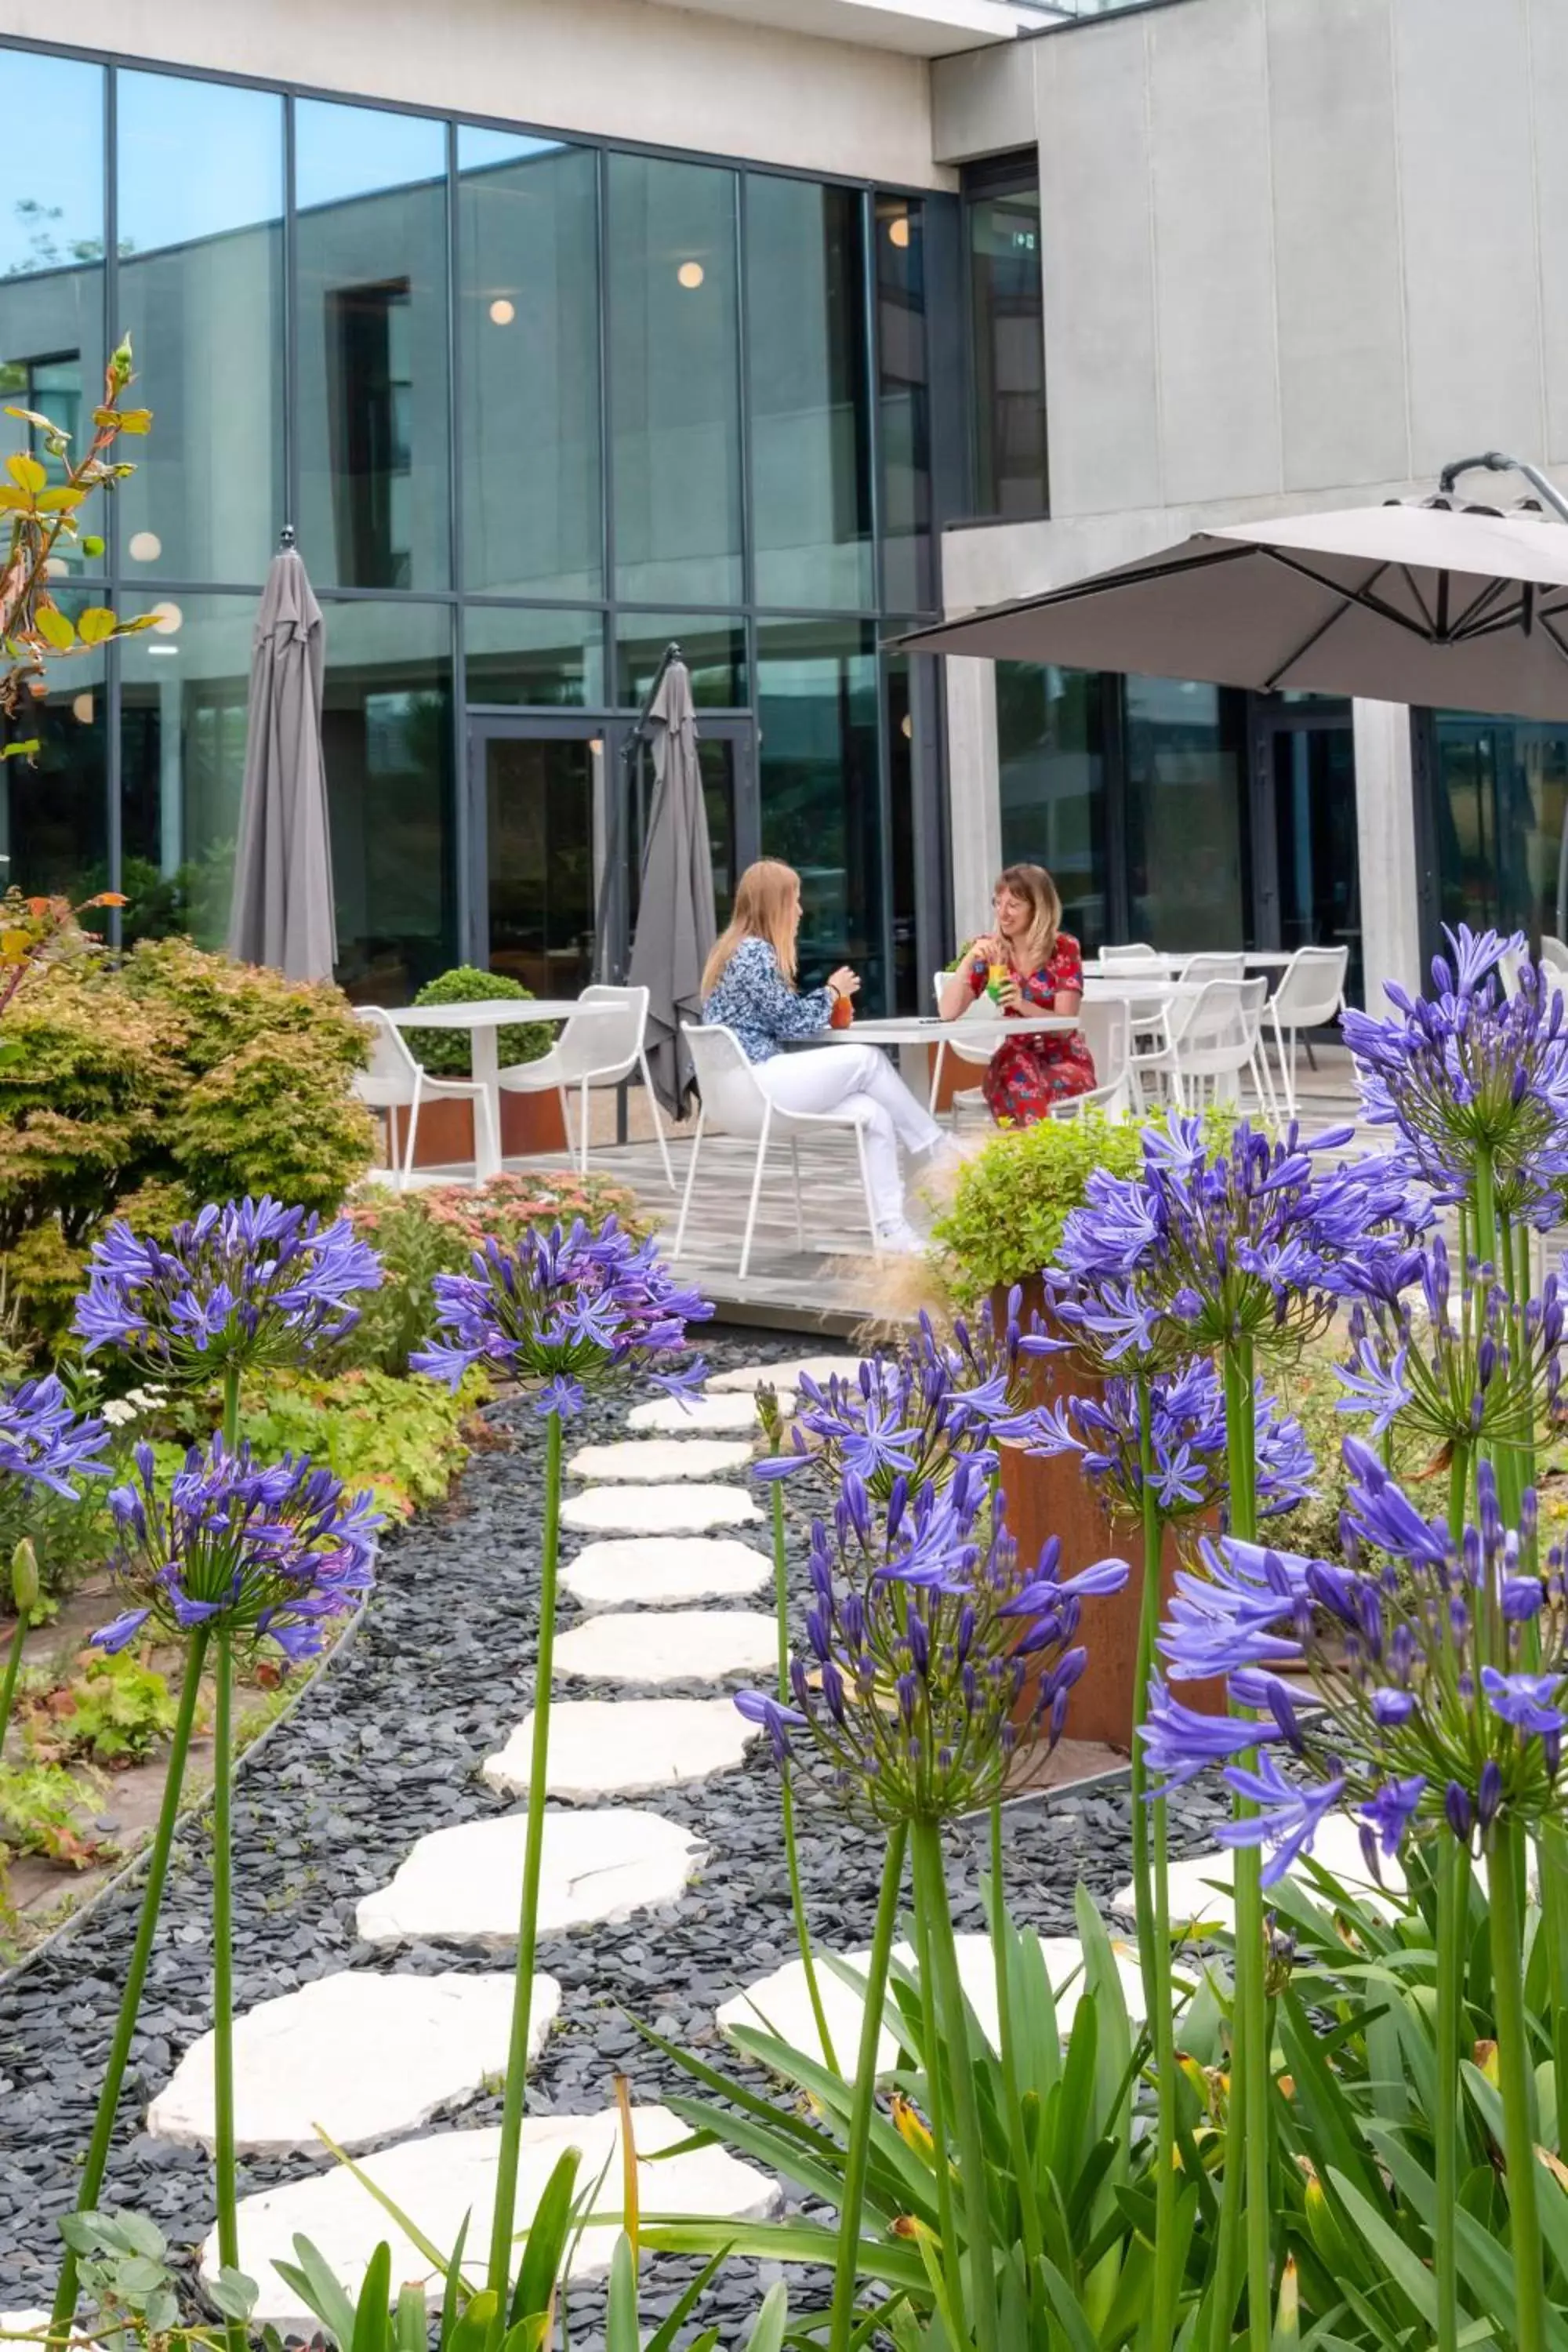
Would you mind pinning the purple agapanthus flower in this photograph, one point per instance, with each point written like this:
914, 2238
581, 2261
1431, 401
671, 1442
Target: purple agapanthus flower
931, 1650
43, 1443
565, 1311
1455, 1368
1425, 1713
1472, 1072
245, 1284
1187, 1440
265, 1550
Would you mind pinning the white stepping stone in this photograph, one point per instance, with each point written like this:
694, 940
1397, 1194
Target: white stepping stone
658, 1510
648, 1460
686, 1646
439, 2179
625, 1746
364, 2056
750, 1377
464, 1886
1200, 1888
707, 1416
663, 1572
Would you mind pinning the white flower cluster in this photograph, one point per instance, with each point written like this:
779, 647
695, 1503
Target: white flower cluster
119, 1412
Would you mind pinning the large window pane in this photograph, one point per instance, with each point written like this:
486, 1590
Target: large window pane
1186, 839
54, 808
909, 986
1007, 349
386, 731
1500, 806
903, 395
551, 660
200, 172
183, 698
51, 256
528, 320
817, 718
674, 381
811, 465
1051, 759
712, 645
374, 416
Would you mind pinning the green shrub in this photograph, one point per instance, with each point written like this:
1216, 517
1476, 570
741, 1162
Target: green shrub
401, 1438
1013, 1197
114, 1711
446, 1052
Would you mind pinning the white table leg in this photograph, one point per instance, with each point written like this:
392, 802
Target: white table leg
485, 1069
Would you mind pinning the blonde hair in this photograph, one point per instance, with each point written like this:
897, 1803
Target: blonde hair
1032, 882
767, 907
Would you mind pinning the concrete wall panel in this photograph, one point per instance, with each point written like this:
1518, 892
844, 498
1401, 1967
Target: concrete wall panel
1548, 27
983, 103
1336, 242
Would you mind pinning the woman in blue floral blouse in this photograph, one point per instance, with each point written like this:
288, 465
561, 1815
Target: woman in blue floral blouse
749, 987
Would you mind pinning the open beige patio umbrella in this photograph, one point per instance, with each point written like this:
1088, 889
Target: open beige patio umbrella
1430, 602
282, 909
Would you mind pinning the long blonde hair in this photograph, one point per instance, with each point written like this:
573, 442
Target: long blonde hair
767, 907
1034, 951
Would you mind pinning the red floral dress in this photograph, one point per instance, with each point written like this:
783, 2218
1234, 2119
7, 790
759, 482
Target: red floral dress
1026, 1074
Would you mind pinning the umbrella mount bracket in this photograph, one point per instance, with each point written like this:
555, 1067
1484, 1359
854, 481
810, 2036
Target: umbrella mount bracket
1494, 461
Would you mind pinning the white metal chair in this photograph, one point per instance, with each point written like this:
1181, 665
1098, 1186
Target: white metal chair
1105, 1022
733, 1098
1553, 951
599, 1050
1215, 1034
1131, 951
395, 1081
1211, 965
1311, 994
977, 1056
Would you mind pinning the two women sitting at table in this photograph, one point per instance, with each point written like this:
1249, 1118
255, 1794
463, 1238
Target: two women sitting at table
1032, 965
748, 986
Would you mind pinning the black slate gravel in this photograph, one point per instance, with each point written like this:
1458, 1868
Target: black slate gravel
388, 1747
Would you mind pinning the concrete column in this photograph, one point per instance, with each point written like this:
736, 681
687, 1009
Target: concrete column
1385, 841
973, 790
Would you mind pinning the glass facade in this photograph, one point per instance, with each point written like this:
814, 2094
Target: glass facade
1499, 801
536, 407
1050, 730
1006, 338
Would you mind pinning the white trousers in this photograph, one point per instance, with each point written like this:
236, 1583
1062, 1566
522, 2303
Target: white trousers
844, 1077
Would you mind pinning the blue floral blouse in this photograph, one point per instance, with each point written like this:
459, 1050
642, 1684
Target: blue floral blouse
753, 997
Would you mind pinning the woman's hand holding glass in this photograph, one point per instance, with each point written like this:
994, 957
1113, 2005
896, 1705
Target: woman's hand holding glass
844, 982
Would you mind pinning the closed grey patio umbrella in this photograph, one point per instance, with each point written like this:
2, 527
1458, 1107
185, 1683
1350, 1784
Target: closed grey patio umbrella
675, 917
282, 909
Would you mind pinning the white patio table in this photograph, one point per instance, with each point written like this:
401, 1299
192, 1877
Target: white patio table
929, 1029
484, 1019
1165, 961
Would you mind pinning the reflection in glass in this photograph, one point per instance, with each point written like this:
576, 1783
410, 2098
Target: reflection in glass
674, 381
909, 989
374, 415
1051, 762
818, 718
1185, 853
712, 645
54, 808
1007, 351
51, 252
903, 394
518, 654
1315, 839
200, 181
527, 325
183, 702
386, 731
1501, 807
810, 423
538, 815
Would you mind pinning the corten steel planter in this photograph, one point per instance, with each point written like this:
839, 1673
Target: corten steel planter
958, 1076
529, 1124
1052, 1497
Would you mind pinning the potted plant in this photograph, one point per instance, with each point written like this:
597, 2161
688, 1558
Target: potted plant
529, 1123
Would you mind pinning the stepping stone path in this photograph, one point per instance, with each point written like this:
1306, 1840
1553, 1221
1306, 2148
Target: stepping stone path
647, 1460
364, 2056
439, 2179
1200, 1888
729, 1416
625, 1747
683, 1645
463, 1886
663, 1572
746, 1378
658, 1510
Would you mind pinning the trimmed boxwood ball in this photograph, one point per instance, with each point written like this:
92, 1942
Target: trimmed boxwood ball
445, 1053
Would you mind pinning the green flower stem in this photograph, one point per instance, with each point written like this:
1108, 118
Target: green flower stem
1452, 1911
931, 1896
1250, 2102
857, 2154
1152, 1904
12, 1668
1518, 2085
936, 2090
498, 2277
786, 1796
1023, 2163
223, 1967
97, 2159
1552, 1861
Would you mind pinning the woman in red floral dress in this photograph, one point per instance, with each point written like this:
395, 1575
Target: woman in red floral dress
1044, 975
